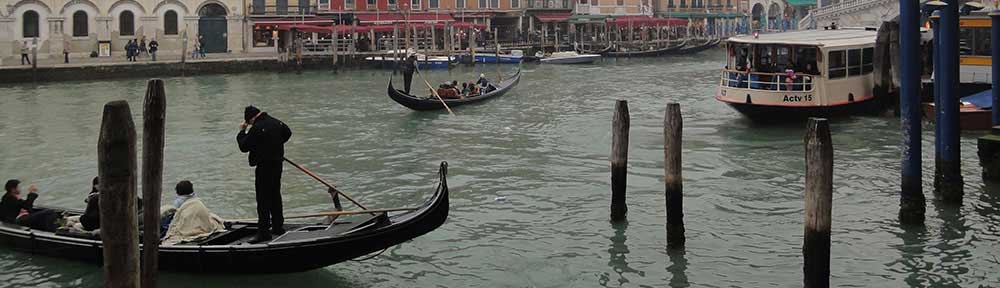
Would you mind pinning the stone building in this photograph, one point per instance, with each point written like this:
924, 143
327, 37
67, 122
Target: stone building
88, 26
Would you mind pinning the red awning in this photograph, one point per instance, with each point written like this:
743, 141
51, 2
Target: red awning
553, 17
647, 21
466, 25
389, 18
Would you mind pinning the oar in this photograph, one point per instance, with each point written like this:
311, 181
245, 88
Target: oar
336, 213
328, 185
432, 90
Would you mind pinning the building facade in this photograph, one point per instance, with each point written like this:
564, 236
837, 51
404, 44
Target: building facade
103, 27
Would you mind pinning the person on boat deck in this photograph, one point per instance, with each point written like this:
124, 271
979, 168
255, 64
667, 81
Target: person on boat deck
264, 138
465, 89
408, 66
22, 212
187, 218
91, 218
447, 92
811, 69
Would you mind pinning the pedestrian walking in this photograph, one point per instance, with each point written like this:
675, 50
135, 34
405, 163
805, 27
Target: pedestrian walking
194, 52
153, 46
24, 53
66, 49
264, 138
201, 43
142, 47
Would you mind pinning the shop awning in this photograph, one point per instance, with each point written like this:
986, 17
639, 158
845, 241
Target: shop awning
290, 21
698, 15
801, 3
389, 18
581, 18
647, 21
553, 17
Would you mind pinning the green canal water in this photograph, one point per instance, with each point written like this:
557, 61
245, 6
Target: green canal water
530, 181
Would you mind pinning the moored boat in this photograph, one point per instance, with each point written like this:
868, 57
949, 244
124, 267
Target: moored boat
423, 61
433, 103
303, 247
812, 73
975, 112
570, 57
647, 53
514, 57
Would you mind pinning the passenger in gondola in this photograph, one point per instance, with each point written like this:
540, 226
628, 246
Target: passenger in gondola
473, 89
21, 211
90, 220
465, 89
447, 92
187, 218
483, 83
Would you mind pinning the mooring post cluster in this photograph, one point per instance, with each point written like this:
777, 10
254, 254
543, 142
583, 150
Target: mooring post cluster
117, 172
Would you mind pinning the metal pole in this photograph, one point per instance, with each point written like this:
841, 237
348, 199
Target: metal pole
995, 46
936, 66
911, 208
948, 175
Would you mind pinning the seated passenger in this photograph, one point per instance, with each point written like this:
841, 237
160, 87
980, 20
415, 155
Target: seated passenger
188, 219
473, 90
446, 92
91, 218
465, 89
22, 212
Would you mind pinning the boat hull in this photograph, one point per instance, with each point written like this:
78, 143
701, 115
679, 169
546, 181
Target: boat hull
769, 113
285, 257
968, 119
582, 59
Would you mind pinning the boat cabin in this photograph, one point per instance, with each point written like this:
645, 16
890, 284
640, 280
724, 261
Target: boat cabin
799, 69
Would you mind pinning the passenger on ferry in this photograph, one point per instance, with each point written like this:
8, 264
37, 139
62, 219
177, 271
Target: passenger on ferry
187, 218
15, 210
811, 69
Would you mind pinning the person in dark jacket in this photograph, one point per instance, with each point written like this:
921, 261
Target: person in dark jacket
91, 218
264, 138
409, 65
22, 212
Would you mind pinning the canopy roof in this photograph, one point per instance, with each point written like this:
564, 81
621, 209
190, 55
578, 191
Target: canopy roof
647, 21
829, 38
583, 18
801, 2
553, 17
389, 18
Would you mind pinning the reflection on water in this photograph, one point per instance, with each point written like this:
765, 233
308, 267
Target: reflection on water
543, 147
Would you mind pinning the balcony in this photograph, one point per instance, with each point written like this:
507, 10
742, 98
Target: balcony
283, 10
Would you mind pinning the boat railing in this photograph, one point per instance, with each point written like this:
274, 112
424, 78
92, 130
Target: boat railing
799, 82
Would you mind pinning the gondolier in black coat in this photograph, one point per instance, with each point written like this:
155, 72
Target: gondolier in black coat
264, 138
409, 66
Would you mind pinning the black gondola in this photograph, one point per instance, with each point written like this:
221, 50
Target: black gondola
433, 103
303, 247
646, 53
698, 48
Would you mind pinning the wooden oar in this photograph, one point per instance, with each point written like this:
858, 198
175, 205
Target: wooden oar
335, 213
328, 185
432, 90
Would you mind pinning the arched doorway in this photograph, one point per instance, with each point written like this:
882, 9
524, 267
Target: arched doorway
212, 28
758, 16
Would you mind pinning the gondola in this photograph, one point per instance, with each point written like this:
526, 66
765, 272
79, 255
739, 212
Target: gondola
432, 103
698, 48
646, 53
304, 247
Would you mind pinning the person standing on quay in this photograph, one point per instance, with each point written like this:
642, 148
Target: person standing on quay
264, 138
66, 49
409, 65
24, 53
153, 46
142, 46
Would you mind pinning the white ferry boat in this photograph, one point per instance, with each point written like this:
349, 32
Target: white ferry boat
821, 73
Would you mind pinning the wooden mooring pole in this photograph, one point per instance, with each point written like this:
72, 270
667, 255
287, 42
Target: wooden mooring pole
911, 204
818, 201
672, 127
116, 158
154, 115
619, 160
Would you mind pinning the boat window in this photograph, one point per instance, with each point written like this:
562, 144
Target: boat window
974, 41
867, 60
854, 62
838, 64
783, 57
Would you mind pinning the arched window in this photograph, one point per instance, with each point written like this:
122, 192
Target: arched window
170, 22
126, 23
80, 24
30, 24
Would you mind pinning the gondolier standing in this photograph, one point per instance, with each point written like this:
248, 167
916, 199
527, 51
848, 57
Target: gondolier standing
264, 138
409, 65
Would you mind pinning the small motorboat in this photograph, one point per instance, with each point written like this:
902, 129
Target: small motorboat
304, 247
570, 57
975, 112
433, 103
514, 57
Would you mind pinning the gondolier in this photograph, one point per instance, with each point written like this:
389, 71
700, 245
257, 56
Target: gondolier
264, 138
409, 66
